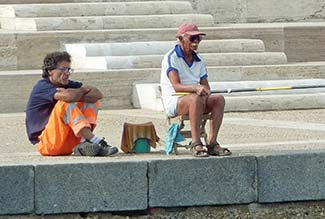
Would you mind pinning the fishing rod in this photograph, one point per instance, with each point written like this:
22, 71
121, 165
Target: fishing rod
234, 90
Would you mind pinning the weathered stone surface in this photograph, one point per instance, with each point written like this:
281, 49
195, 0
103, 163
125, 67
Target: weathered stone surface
146, 95
8, 58
90, 187
291, 177
20, 87
305, 44
226, 11
275, 102
161, 47
257, 11
17, 189
210, 59
45, 42
93, 9
105, 22
211, 181
286, 11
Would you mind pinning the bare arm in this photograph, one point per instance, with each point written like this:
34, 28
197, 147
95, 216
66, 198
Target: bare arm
200, 89
84, 94
92, 96
205, 83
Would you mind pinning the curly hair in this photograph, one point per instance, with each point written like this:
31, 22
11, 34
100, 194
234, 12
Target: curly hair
51, 61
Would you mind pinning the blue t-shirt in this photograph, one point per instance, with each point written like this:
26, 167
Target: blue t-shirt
40, 105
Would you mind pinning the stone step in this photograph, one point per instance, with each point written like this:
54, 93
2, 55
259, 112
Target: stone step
117, 84
267, 72
274, 36
161, 47
154, 61
56, 40
66, 1
303, 70
96, 9
105, 22
147, 95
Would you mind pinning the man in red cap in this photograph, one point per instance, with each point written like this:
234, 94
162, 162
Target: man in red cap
183, 70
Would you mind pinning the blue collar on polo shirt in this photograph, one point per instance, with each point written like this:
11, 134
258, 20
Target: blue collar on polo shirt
180, 53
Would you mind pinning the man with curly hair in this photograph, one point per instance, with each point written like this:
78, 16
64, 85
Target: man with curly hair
61, 113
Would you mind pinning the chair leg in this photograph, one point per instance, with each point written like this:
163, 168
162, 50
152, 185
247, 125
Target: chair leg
175, 149
203, 133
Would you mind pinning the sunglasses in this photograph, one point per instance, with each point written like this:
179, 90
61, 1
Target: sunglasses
195, 37
65, 70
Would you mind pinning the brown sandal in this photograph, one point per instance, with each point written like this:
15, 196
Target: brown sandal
198, 152
217, 152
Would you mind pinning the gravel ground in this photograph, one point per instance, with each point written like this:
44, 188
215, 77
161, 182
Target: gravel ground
251, 132
297, 210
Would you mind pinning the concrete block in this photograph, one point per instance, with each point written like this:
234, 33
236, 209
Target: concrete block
210, 181
91, 187
292, 177
17, 189
146, 95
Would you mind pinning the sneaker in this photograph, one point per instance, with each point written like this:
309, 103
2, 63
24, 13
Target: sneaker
86, 148
106, 149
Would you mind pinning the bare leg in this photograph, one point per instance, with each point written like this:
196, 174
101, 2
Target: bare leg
86, 133
192, 105
215, 105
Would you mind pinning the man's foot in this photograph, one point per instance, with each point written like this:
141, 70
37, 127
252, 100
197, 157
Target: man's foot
106, 149
198, 150
86, 148
215, 149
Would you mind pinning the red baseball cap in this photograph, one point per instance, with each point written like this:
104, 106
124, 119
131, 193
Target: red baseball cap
190, 29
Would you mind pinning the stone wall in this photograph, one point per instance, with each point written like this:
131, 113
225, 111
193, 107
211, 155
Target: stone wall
138, 185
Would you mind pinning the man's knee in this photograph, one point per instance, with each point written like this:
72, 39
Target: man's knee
218, 100
197, 100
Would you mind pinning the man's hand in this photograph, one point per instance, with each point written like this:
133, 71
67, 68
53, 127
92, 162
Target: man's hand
92, 96
84, 94
202, 90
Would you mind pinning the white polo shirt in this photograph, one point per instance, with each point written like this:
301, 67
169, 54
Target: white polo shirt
188, 74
